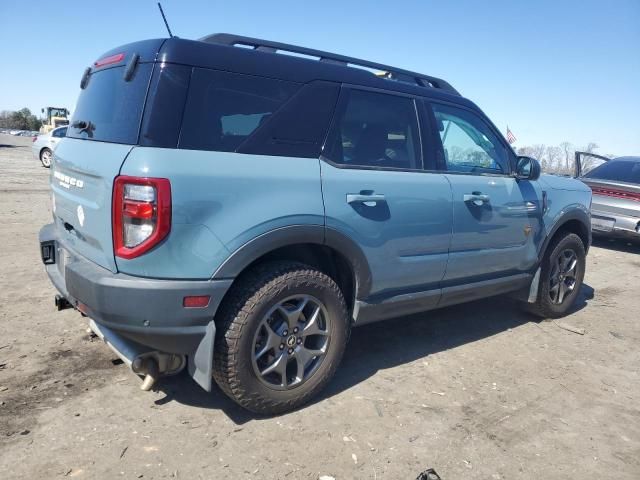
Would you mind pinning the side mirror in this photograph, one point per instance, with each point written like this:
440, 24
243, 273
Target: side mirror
527, 168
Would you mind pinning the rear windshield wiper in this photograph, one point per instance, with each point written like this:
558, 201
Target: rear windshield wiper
84, 126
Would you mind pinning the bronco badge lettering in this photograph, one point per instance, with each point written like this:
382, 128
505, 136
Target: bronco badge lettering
67, 182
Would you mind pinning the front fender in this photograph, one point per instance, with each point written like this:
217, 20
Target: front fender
574, 212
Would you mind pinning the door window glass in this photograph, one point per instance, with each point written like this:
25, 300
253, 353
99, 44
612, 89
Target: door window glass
375, 130
470, 146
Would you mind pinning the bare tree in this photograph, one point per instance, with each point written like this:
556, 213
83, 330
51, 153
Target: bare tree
561, 159
553, 154
568, 154
588, 163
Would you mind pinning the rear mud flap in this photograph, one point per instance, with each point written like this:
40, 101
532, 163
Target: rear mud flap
201, 362
533, 290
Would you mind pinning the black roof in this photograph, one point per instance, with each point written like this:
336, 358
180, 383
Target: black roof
387, 71
219, 51
626, 159
229, 52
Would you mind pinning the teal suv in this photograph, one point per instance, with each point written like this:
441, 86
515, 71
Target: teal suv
234, 206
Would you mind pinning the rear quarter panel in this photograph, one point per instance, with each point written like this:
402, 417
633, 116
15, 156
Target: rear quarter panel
220, 201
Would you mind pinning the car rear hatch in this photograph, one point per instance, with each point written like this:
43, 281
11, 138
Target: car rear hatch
104, 128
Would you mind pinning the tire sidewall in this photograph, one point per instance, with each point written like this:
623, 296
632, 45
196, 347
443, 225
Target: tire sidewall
574, 243
44, 164
335, 308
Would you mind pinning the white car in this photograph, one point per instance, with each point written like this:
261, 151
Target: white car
45, 143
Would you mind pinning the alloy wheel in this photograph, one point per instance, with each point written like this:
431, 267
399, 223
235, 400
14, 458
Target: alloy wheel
291, 342
563, 275
46, 158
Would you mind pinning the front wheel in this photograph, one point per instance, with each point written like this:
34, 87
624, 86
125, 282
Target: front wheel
562, 273
281, 335
45, 157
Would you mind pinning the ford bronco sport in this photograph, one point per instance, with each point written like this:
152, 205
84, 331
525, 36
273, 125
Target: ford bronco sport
234, 206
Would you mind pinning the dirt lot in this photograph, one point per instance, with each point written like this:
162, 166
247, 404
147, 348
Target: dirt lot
476, 391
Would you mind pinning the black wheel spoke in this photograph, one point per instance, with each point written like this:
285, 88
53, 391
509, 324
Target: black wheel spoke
562, 277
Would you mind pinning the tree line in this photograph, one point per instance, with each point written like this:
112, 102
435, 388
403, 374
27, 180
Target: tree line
561, 158
19, 120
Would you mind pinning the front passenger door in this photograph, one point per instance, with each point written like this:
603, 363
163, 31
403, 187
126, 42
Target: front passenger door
496, 218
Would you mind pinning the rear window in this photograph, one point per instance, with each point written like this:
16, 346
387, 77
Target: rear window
223, 109
618, 171
110, 107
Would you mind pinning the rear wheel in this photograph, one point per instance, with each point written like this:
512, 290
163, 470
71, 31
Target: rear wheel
281, 335
562, 272
45, 157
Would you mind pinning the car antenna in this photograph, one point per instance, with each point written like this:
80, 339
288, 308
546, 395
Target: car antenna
165, 20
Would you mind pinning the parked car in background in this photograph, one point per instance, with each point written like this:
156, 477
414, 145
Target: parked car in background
615, 211
44, 144
250, 207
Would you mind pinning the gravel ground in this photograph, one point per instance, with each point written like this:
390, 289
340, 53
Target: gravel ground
479, 391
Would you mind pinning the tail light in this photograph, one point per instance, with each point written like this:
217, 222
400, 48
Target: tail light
35, 137
615, 193
141, 214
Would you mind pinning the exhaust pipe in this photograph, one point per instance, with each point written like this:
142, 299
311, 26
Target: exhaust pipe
149, 368
142, 360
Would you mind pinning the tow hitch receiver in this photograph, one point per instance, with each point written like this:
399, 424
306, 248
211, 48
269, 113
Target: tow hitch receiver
62, 303
48, 252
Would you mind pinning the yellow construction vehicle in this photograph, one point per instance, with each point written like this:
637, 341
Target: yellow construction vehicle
54, 117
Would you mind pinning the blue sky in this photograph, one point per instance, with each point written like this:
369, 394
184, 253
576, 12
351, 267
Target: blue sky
552, 70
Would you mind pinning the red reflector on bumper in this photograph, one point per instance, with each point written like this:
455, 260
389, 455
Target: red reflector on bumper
196, 301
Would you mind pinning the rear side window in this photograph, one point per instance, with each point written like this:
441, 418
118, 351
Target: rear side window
286, 135
617, 171
223, 109
110, 107
374, 129
165, 105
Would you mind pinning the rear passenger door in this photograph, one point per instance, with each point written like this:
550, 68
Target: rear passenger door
376, 192
497, 219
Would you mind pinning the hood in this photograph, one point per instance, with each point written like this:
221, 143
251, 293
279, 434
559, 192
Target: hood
558, 182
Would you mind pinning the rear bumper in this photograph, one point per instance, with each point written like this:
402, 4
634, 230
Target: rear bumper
141, 311
609, 224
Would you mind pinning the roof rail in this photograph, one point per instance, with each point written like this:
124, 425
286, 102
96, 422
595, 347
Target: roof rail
387, 70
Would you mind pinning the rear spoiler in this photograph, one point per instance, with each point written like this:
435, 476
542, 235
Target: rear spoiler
130, 55
578, 156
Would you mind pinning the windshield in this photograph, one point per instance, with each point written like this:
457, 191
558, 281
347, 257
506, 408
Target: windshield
618, 171
57, 112
109, 109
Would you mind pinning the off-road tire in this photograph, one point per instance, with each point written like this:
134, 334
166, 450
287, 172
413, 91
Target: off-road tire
240, 315
544, 307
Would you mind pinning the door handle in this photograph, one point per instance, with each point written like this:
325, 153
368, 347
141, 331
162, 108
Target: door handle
368, 199
477, 198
